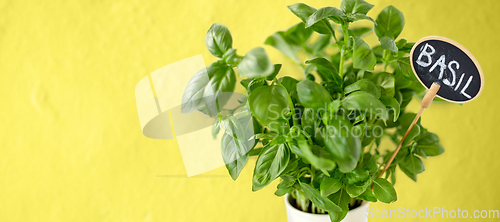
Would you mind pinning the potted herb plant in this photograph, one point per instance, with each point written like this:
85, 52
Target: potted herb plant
320, 135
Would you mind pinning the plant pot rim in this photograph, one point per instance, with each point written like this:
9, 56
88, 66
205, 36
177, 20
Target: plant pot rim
289, 205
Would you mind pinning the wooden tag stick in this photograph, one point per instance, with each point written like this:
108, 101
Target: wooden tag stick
426, 102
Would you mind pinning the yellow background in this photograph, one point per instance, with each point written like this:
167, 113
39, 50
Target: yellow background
71, 148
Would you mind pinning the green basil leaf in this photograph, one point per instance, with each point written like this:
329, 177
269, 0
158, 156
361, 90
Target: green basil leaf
192, 98
401, 81
362, 101
280, 126
405, 67
401, 43
282, 191
287, 180
277, 68
363, 85
278, 41
268, 102
385, 80
304, 150
342, 199
359, 31
289, 83
388, 43
255, 64
344, 147
219, 89
280, 161
392, 172
308, 121
392, 103
271, 162
407, 47
303, 11
419, 88
216, 128
332, 13
234, 154
431, 149
256, 83
427, 138
418, 152
337, 216
218, 78
368, 196
370, 163
291, 86
329, 186
314, 196
358, 16
334, 106
218, 40
399, 97
312, 95
230, 57
357, 175
246, 82
413, 164
356, 189
355, 6
412, 135
403, 152
407, 96
244, 128
326, 70
384, 191
298, 34
389, 22
320, 176
363, 57
407, 172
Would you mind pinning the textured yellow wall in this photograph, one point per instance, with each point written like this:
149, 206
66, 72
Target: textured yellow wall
71, 148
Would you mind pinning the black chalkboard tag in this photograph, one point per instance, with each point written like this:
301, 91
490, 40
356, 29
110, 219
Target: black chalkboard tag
448, 71
443, 61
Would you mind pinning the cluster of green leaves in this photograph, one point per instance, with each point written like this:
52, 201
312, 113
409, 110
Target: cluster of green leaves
302, 130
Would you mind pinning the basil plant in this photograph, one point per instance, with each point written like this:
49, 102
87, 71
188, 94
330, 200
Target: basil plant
320, 135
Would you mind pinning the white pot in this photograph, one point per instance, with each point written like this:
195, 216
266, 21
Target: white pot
295, 215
